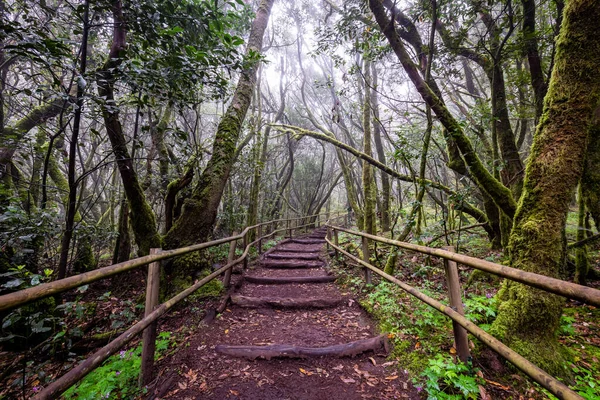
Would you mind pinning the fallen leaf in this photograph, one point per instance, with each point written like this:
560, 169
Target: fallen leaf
347, 380
484, 395
182, 385
452, 350
418, 345
338, 368
234, 392
373, 360
305, 372
391, 378
499, 385
226, 331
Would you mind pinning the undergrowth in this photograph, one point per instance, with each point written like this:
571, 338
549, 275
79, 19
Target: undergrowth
423, 340
117, 378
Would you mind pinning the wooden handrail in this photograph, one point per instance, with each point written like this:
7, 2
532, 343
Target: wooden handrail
22, 297
540, 376
566, 289
76, 374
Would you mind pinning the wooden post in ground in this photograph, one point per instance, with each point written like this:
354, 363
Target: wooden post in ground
149, 335
366, 257
461, 340
328, 236
259, 239
336, 240
318, 220
245, 245
289, 228
227, 277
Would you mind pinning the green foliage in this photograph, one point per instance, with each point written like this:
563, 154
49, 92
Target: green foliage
481, 310
21, 232
117, 377
178, 45
449, 380
33, 322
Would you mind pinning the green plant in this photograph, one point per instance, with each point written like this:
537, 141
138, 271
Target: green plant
117, 377
481, 310
449, 380
566, 325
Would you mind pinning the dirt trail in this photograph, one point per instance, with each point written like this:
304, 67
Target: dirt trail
204, 373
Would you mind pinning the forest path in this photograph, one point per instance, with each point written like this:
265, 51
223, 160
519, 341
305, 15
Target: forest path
310, 316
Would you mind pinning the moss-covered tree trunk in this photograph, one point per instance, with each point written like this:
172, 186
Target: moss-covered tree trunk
200, 210
369, 190
500, 194
143, 221
528, 318
591, 175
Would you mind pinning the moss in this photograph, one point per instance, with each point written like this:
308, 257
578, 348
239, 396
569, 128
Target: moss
479, 276
213, 288
85, 259
527, 321
390, 263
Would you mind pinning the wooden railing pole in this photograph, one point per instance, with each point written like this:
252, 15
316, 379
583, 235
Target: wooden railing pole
328, 236
289, 227
336, 240
231, 256
259, 239
149, 335
245, 245
366, 257
461, 340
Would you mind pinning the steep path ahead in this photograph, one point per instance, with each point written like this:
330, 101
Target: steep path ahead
288, 306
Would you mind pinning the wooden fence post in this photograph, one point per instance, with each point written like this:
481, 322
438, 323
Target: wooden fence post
149, 335
227, 277
328, 236
366, 257
318, 221
259, 239
461, 339
289, 227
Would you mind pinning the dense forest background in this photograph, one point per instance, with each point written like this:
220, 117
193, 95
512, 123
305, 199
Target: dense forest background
133, 125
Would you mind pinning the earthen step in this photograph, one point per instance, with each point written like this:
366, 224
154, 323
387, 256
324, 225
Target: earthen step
291, 264
301, 251
294, 256
266, 280
285, 302
351, 349
308, 241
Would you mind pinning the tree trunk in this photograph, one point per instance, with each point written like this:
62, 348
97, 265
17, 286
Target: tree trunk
527, 317
591, 175
370, 220
143, 221
501, 195
74, 143
385, 179
200, 210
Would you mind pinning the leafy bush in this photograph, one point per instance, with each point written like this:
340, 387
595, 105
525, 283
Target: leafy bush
449, 380
481, 310
117, 378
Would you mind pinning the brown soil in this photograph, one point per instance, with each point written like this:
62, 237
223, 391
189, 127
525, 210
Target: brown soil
198, 372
